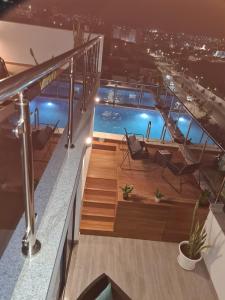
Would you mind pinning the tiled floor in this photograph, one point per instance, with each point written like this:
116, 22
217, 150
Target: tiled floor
143, 269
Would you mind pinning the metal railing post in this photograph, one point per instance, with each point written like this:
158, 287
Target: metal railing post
36, 118
83, 108
140, 95
165, 102
201, 138
96, 57
171, 106
148, 131
87, 73
176, 124
189, 128
163, 133
69, 143
203, 150
30, 245
98, 53
114, 93
220, 190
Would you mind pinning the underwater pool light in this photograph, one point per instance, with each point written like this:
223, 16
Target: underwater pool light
144, 116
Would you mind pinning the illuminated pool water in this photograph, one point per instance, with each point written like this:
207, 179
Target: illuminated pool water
110, 119
50, 110
114, 119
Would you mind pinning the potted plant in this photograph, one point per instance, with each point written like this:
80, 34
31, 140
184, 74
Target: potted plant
127, 189
158, 196
190, 252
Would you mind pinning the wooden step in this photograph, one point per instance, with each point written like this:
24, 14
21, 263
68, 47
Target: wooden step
98, 203
107, 147
98, 213
88, 192
101, 184
96, 227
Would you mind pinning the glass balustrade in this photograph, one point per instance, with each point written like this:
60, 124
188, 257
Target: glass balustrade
36, 107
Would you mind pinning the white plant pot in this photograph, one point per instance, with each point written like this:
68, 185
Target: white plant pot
185, 262
157, 199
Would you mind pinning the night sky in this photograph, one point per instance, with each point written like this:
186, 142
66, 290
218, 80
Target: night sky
193, 16
197, 16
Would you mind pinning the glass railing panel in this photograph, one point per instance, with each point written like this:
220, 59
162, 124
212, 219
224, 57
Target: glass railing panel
52, 111
106, 94
148, 99
78, 90
127, 96
47, 88
63, 89
165, 100
195, 132
131, 95
11, 198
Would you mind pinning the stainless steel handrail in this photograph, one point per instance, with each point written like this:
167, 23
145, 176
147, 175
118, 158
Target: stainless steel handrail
17, 85
12, 86
196, 121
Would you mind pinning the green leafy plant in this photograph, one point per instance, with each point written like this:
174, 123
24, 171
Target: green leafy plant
127, 189
158, 194
197, 237
204, 197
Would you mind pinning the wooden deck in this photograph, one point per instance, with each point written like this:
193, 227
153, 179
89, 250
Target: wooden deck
106, 213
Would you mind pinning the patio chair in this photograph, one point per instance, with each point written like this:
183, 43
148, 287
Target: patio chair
103, 288
136, 149
41, 136
180, 170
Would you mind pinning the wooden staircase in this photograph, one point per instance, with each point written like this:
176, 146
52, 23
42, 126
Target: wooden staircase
100, 194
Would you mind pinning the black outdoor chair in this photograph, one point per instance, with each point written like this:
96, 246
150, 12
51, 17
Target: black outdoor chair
180, 169
99, 285
40, 137
136, 149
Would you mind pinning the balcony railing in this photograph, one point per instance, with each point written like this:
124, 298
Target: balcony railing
83, 62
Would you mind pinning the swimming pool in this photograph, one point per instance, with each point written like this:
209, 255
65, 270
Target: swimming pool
111, 119
50, 110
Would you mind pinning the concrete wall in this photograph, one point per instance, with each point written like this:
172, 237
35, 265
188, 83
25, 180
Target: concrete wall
17, 39
215, 255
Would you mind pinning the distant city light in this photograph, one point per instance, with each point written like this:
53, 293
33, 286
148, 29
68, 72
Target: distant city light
97, 99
